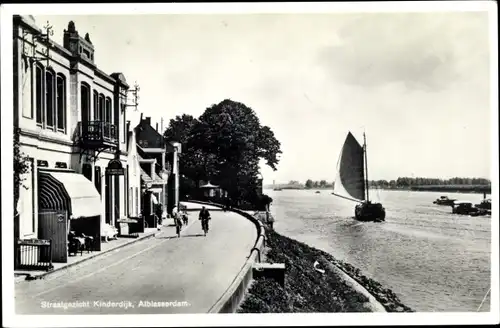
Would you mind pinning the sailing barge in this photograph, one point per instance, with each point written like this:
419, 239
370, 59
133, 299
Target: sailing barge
352, 181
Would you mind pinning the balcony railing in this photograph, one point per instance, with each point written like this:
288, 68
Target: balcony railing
98, 132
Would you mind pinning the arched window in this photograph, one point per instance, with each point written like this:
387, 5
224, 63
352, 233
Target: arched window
85, 100
101, 107
39, 78
50, 95
61, 102
108, 110
97, 115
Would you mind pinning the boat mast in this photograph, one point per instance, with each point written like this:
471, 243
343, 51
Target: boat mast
366, 168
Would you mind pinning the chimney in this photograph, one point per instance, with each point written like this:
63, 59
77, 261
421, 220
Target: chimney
141, 119
156, 126
148, 120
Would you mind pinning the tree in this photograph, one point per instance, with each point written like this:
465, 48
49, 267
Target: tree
309, 184
21, 166
225, 145
322, 183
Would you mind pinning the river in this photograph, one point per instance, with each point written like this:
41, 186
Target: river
433, 260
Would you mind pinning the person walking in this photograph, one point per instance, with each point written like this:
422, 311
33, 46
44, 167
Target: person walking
185, 218
227, 205
177, 221
158, 214
204, 217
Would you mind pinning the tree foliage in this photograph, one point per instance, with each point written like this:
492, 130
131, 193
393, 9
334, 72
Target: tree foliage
404, 182
224, 145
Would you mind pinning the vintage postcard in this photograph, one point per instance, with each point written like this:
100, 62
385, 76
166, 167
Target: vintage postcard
235, 164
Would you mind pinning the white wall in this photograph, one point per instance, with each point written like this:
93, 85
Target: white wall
134, 175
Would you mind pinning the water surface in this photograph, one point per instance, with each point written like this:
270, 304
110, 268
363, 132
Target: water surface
433, 260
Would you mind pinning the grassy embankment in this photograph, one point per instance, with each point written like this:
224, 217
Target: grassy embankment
307, 290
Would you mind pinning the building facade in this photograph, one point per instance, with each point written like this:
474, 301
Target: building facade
155, 171
134, 177
71, 117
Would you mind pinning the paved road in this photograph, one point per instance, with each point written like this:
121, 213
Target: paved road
187, 274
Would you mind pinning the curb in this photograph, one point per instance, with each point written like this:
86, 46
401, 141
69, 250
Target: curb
97, 254
372, 304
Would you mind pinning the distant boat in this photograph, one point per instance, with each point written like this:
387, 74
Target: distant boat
277, 189
352, 181
485, 204
444, 200
318, 192
466, 208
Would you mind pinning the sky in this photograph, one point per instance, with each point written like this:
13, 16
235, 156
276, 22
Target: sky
418, 84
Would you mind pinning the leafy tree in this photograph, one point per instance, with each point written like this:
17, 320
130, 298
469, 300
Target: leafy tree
225, 145
322, 183
309, 184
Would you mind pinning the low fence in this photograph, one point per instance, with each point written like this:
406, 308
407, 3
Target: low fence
232, 297
33, 254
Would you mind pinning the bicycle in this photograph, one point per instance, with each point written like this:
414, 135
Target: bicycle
204, 225
178, 227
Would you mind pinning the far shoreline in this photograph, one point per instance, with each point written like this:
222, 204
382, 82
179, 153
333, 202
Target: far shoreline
458, 189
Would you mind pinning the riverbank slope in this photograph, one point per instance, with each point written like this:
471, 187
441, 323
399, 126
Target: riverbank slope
309, 290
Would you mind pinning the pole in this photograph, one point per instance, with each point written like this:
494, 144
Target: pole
366, 168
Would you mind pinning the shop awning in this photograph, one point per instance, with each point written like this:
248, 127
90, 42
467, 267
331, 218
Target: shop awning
68, 191
155, 179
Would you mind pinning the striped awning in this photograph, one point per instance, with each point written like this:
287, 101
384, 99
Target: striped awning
68, 191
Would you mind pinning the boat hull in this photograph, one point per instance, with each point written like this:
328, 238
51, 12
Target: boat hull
447, 202
484, 206
374, 212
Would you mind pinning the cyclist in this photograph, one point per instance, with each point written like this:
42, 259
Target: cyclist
177, 221
204, 216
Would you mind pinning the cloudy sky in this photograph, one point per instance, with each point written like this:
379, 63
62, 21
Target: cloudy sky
417, 83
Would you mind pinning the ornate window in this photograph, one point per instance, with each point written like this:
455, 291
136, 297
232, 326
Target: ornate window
39, 93
97, 115
61, 102
108, 110
85, 100
102, 115
50, 92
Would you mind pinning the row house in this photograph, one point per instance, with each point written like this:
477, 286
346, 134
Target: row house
159, 171
71, 118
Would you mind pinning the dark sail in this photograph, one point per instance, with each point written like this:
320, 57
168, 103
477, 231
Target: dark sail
351, 176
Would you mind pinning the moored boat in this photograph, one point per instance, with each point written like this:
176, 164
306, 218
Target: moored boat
485, 204
352, 181
467, 208
444, 200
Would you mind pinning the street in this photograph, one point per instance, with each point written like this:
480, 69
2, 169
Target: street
164, 274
